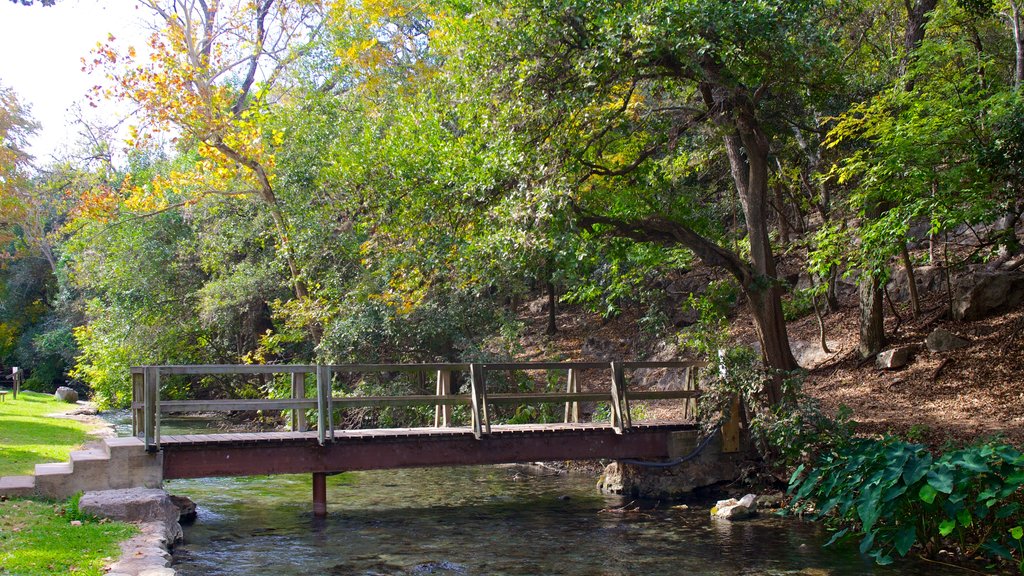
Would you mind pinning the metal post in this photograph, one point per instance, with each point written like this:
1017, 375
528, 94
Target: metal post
299, 423
319, 494
443, 412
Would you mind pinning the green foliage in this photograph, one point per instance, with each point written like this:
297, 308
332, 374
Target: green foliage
785, 435
710, 333
800, 303
895, 495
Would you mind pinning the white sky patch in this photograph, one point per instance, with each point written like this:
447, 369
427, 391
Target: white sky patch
42, 48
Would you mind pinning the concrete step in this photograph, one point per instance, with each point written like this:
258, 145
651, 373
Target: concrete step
54, 469
129, 445
17, 485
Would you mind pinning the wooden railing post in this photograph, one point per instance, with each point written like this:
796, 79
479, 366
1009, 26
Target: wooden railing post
478, 400
443, 412
690, 380
16, 374
299, 423
572, 408
620, 403
323, 393
138, 402
151, 385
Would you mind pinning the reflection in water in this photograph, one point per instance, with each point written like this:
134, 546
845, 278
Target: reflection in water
482, 521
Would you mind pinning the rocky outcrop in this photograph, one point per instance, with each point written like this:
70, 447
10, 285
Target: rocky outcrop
942, 340
605, 349
984, 293
148, 553
709, 468
65, 394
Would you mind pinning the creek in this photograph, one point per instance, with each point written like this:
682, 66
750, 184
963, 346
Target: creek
488, 520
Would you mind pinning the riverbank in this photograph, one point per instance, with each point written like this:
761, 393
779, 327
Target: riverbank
35, 429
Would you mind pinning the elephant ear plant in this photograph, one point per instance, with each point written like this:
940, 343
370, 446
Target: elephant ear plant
896, 496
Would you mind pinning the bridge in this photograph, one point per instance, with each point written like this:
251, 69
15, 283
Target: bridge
315, 397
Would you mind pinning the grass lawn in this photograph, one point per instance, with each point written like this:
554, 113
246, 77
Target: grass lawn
28, 437
37, 538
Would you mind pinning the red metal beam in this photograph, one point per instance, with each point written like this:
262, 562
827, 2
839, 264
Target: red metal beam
304, 455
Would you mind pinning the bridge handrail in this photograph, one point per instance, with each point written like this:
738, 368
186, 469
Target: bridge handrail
146, 386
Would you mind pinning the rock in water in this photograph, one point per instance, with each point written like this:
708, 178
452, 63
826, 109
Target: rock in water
942, 340
186, 507
733, 509
65, 394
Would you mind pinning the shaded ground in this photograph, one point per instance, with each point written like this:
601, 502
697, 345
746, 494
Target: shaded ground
957, 396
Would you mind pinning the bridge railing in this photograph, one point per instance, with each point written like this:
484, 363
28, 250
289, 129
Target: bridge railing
148, 406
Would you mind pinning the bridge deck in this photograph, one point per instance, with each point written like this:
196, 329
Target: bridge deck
194, 456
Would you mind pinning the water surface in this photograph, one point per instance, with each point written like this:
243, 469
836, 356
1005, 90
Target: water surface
482, 521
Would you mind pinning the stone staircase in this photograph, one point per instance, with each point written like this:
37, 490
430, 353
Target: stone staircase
109, 464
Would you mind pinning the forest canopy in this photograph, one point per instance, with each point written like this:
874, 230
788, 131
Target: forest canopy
387, 180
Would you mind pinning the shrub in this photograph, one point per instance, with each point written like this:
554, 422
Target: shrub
896, 495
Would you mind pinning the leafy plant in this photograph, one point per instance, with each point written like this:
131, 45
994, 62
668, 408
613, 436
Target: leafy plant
896, 495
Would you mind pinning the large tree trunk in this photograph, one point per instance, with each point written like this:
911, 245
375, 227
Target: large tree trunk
872, 327
764, 291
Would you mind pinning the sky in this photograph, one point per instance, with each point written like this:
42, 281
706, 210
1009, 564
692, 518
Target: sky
41, 50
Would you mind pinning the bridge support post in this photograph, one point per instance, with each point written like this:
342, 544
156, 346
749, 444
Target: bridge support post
319, 494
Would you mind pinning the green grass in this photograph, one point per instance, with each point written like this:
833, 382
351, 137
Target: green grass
37, 538
29, 437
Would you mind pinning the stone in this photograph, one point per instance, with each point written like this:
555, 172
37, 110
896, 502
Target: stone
148, 505
810, 355
605, 349
894, 358
942, 340
733, 509
84, 411
164, 571
711, 467
985, 293
65, 394
929, 279
186, 507
774, 500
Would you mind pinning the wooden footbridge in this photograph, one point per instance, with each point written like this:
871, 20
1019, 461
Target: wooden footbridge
316, 444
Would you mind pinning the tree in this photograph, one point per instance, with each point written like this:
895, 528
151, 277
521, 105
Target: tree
200, 85
614, 102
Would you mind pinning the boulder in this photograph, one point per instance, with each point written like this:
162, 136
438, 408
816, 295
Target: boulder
928, 279
186, 508
65, 394
894, 358
709, 468
130, 505
942, 340
986, 292
733, 509
605, 349
810, 354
